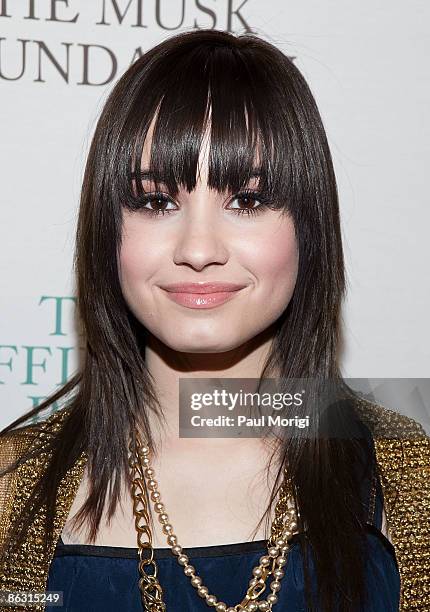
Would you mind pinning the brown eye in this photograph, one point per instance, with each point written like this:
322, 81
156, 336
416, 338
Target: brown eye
157, 202
247, 203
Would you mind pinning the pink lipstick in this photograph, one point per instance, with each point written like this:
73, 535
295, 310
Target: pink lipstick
202, 295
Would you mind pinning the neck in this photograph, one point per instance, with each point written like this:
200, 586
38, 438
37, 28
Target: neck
167, 366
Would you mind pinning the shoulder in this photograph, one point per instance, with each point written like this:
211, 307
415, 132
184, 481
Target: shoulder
402, 446
384, 422
15, 443
21, 447
21, 443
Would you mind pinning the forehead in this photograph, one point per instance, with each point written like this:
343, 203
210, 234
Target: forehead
148, 175
203, 161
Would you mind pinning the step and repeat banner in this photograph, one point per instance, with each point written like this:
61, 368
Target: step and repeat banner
367, 65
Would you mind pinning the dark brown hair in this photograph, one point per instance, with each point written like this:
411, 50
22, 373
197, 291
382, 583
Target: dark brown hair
256, 97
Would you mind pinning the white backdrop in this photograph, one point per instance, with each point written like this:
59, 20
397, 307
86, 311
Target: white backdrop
366, 65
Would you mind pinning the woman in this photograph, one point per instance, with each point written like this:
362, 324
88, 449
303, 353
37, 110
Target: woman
210, 164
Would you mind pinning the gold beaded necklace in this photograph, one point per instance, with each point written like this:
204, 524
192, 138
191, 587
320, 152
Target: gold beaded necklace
283, 527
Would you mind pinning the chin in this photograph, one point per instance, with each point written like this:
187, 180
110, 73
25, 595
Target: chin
199, 344
207, 347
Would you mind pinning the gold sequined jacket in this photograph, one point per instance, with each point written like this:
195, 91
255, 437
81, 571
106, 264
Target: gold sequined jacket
403, 463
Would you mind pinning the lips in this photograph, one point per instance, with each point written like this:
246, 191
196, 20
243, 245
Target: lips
203, 287
202, 295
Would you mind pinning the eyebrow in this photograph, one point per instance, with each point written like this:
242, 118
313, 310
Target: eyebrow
147, 175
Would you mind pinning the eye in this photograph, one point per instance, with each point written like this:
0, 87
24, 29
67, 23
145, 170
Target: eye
154, 204
248, 198
157, 202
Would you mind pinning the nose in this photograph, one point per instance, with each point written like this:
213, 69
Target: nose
201, 240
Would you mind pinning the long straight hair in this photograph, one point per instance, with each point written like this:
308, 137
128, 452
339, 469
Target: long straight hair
256, 98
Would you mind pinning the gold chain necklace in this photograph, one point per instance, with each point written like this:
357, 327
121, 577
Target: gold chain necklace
283, 527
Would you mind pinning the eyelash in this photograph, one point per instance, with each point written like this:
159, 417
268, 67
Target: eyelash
247, 193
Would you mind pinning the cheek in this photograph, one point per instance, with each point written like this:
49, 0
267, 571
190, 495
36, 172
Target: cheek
139, 256
280, 264
273, 258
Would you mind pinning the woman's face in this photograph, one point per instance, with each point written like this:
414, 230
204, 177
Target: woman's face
201, 238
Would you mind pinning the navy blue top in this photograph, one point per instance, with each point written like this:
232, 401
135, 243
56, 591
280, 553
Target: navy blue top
105, 578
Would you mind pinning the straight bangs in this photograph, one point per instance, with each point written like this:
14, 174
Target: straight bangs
185, 93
